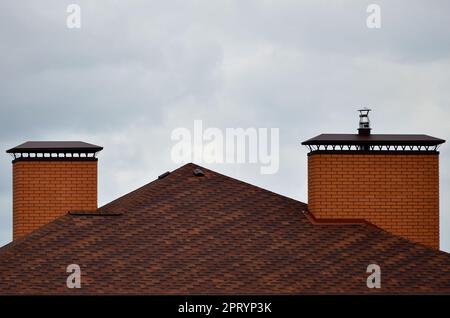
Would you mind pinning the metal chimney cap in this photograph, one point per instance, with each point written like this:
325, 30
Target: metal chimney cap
55, 147
54, 150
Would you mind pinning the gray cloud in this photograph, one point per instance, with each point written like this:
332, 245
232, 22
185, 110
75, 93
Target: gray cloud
138, 69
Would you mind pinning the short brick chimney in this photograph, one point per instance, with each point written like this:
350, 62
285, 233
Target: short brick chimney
49, 179
391, 181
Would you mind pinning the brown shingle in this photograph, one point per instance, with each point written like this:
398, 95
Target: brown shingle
214, 235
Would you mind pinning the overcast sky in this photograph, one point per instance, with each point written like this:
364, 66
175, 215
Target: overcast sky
136, 70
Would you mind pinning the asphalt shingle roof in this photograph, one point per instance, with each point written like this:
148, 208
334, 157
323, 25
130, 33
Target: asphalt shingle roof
211, 234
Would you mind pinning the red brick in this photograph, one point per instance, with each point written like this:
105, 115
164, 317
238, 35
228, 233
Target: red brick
45, 190
399, 193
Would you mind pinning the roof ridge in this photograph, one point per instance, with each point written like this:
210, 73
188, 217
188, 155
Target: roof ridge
192, 165
252, 185
146, 185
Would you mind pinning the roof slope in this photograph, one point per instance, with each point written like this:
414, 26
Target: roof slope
214, 235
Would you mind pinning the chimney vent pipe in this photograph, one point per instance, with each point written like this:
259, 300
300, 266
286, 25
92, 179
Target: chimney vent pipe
364, 121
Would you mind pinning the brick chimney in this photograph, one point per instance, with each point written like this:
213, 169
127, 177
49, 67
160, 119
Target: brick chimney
391, 181
49, 179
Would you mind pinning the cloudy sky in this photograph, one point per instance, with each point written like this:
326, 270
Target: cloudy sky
136, 70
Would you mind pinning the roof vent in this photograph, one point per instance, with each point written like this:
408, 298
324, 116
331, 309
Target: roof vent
198, 172
165, 174
364, 122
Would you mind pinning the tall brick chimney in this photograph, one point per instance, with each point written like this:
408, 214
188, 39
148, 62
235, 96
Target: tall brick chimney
391, 181
49, 179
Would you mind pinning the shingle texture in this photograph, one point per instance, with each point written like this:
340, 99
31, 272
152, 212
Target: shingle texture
211, 234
